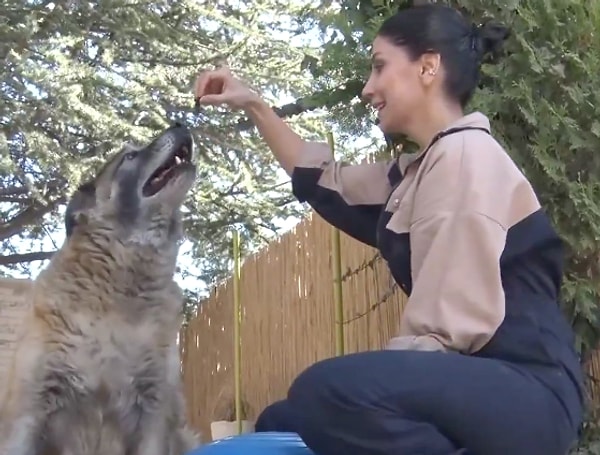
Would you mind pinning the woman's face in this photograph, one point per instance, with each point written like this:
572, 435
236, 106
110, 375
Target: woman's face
397, 87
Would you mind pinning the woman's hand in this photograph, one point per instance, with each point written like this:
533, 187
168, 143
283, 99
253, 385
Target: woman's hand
219, 87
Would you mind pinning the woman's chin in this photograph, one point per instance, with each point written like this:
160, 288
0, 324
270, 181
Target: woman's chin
388, 128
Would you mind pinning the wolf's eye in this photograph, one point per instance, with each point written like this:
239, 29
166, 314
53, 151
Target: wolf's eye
131, 155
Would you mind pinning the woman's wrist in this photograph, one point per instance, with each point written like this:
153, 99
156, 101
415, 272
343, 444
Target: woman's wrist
255, 105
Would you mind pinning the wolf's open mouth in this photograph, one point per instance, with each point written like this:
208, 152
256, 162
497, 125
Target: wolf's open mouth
164, 173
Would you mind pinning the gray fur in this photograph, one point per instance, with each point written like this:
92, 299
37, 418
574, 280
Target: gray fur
97, 369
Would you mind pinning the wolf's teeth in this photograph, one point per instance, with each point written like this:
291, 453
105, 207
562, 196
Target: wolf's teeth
177, 159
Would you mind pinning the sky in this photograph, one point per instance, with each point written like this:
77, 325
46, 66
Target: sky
185, 261
50, 243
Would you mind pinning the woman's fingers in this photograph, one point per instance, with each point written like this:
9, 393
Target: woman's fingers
207, 83
219, 87
213, 99
212, 82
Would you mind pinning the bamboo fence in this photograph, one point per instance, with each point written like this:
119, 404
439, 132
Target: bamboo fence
288, 319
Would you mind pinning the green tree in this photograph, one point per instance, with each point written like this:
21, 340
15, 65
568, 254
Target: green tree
79, 78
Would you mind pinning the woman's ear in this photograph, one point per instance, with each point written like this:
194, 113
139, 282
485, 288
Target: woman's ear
430, 65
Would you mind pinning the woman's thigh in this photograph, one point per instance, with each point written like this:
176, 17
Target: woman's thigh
483, 405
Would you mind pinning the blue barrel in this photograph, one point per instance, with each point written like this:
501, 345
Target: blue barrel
264, 443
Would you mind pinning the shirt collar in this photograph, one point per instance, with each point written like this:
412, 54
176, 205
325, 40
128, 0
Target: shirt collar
472, 120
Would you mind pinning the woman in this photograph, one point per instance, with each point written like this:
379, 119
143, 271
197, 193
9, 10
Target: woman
484, 363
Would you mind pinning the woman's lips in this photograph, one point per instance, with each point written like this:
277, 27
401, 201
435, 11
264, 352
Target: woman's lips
379, 106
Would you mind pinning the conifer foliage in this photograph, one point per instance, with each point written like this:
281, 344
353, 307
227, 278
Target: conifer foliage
79, 78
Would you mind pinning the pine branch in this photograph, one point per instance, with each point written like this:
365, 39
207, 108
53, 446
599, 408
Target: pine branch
28, 217
13, 191
318, 100
12, 259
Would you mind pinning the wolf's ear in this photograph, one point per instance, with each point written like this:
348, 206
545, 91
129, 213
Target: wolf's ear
80, 203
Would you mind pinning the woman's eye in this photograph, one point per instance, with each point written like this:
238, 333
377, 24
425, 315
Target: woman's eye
378, 67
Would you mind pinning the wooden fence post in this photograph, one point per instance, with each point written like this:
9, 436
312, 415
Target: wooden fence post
336, 260
237, 368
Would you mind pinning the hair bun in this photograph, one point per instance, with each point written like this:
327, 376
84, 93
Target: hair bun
492, 36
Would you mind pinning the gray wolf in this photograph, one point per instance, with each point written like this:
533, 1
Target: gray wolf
97, 368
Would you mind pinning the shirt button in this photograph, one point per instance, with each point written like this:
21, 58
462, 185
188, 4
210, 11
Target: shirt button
396, 202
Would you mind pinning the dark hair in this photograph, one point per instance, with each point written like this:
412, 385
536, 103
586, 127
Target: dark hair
462, 46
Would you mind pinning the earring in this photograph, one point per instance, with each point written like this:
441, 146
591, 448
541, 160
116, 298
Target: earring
431, 73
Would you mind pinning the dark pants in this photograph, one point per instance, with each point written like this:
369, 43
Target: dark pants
421, 403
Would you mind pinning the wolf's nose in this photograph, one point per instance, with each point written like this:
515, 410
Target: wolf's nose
177, 124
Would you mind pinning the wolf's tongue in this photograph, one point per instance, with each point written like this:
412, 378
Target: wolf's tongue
162, 176
158, 180
156, 183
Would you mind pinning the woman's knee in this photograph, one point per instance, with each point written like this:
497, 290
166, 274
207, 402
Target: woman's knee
346, 380
278, 416
311, 385
327, 386
308, 397
342, 408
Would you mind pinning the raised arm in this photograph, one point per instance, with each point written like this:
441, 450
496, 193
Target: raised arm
285, 144
220, 87
349, 197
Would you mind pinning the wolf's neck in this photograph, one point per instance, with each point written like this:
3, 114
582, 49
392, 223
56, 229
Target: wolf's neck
99, 256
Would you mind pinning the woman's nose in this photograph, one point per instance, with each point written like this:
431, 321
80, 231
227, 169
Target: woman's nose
367, 92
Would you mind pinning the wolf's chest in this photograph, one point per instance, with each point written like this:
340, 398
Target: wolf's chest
112, 364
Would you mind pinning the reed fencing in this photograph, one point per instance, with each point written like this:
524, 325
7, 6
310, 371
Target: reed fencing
288, 320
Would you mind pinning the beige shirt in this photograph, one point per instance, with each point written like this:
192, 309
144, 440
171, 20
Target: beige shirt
456, 201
